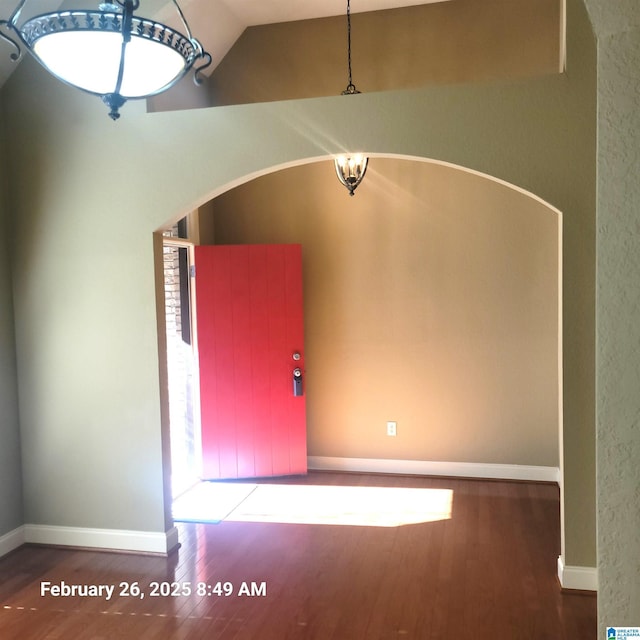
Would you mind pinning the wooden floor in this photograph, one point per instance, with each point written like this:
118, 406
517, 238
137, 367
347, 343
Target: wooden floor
488, 572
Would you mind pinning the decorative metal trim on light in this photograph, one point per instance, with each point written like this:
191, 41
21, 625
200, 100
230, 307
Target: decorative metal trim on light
350, 168
108, 52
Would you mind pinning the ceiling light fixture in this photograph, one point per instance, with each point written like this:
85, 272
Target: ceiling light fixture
350, 168
108, 52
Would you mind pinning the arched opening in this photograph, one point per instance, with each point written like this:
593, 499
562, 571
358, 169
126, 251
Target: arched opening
432, 298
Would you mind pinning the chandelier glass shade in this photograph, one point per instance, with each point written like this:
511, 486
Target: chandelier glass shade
108, 52
350, 170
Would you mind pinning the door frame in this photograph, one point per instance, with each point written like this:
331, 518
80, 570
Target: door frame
189, 245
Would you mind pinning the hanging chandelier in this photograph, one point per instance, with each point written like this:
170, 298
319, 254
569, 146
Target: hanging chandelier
108, 52
350, 168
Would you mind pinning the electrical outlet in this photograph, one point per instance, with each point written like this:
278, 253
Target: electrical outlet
392, 428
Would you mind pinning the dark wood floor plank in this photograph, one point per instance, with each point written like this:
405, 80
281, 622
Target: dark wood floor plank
487, 572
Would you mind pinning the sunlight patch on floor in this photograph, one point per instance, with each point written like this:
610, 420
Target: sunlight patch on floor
332, 505
210, 501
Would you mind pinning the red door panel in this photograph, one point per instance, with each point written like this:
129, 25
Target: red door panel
250, 323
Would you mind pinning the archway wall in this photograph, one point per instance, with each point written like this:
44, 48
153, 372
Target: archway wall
86, 193
431, 299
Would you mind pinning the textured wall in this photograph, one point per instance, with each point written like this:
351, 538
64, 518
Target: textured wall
610, 17
618, 315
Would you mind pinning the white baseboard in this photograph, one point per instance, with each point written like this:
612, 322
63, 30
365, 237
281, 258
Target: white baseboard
426, 468
12, 540
106, 539
580, 578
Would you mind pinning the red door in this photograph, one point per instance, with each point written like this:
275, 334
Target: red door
250, 342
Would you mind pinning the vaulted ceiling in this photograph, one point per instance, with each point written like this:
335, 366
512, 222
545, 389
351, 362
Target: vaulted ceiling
216, 23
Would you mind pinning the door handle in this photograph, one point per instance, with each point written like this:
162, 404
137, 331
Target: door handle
297, 381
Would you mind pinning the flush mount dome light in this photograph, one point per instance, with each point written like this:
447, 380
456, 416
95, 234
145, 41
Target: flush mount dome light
109, 52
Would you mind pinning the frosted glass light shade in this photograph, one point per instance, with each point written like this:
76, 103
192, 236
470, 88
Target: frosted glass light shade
90, 60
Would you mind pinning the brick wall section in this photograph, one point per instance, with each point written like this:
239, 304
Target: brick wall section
172, 286
180, 365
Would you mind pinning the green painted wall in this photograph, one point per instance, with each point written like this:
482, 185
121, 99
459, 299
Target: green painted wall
89, 192
10, 464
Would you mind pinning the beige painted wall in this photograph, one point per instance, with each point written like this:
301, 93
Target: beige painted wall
431, 298
87, 194
10, 464
441, 43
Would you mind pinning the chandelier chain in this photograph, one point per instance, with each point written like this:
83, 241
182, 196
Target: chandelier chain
351, 88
